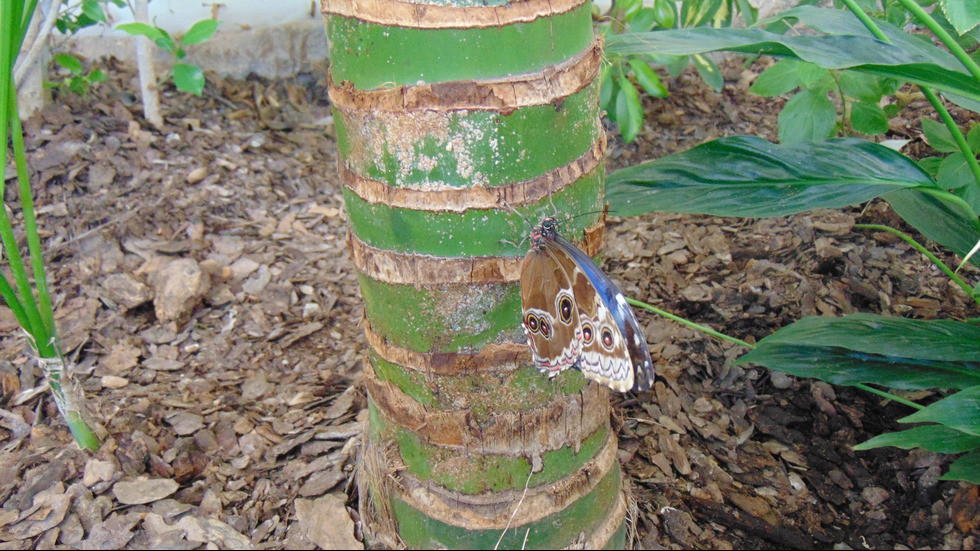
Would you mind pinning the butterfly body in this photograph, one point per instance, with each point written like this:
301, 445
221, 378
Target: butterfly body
574, 316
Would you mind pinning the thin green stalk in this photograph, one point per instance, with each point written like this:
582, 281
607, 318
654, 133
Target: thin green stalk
691, 324
889, 396
10, 297
915, 245
944, 37
968, 154
866, 21
30, 225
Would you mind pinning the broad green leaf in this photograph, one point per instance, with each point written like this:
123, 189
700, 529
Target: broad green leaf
629, 111
97, 75
748, 11
708, 71
964, 15
779, 79
810, 73
648, 79
954, 172
971, 195
935, 438
644, 20
69, 62
868, 118
748, 176
938, 136
940, 216
973, 138
666, 13
189, 78
200, 32
921, 64
142, 29
807, 117
93, 10
965, 468
841, 366
606, 93
941, 340
860, 86
961, 411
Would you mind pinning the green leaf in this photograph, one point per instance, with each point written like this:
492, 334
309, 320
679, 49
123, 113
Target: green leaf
866, 348
709, 72
606, 93
811, 73
860, 86
965, 468
779, 79
665, 12
961, 411
868, 118
963, 15
644, 20
940, 216
200, 32
748, 176
96, 75
648, 79
938, 136
807, 117
155, 34
973, 138
189, 78
629, 111
748, 11
935, 438
69, 62
910, 60
954, 172
93, 10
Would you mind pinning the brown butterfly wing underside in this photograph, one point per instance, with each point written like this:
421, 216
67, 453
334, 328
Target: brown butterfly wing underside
559, 289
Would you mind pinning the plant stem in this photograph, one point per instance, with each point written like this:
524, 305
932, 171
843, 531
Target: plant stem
935, 260
691, 324
889, 396
971, 159
30, 226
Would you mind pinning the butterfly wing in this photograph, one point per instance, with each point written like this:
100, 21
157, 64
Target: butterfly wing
551, 320
614, 352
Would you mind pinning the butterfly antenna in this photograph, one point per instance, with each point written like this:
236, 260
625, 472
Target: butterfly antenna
520, 244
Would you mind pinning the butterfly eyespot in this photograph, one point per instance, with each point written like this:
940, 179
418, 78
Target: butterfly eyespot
607, 338
531, 322
587, 334
565, 309
545, 329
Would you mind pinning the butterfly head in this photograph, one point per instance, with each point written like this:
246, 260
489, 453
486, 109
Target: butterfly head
547, 229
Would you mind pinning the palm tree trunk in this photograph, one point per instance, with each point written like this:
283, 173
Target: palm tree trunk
455, 123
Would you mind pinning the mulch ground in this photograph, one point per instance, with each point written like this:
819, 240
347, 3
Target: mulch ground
231, 411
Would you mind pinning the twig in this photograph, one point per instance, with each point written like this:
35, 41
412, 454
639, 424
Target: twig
27, 61
511, 519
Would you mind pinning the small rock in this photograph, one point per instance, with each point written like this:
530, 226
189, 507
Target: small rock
243, 267
875, 495
179, 286
126, 290
780, 380
98, 471
136, 492
122, 358
197, 175
326, 523
256, 283
185, 423
111, 381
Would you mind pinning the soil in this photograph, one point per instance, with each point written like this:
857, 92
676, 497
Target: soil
231, 413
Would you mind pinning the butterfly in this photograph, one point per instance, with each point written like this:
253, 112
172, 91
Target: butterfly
574, 316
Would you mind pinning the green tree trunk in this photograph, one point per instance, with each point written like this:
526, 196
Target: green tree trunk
455, 123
